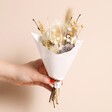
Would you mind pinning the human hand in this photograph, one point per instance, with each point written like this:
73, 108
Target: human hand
34, 73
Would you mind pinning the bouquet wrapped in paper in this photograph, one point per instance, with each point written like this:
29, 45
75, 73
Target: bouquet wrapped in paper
58, 47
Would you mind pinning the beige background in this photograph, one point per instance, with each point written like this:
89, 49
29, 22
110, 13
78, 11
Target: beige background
88, 85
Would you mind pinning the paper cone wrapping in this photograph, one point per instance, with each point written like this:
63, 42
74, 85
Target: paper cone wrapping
57, 65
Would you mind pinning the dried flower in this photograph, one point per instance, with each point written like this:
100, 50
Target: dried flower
41, 27
68, 16
60, 37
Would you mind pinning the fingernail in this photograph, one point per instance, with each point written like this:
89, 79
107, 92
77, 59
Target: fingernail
52, 81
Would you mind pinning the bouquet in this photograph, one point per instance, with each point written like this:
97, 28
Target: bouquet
58, 46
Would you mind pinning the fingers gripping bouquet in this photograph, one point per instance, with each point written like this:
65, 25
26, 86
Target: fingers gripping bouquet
58, 46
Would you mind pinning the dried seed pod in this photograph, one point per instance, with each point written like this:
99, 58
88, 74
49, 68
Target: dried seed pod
36, 24
74, 23
47, 43
68, 16
57, 32
41, 27
54, 49
78, 17
66, 48
80, 29
82, 26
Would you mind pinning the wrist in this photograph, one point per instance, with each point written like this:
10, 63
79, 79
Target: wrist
8, 71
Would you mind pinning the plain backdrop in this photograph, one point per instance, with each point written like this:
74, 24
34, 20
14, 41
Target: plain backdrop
88, 84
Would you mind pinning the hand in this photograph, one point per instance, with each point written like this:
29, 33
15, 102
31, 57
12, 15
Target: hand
32, 73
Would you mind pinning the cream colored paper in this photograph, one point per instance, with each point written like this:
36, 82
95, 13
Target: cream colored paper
57, 65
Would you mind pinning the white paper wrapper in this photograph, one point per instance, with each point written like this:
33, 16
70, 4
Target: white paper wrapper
57, 65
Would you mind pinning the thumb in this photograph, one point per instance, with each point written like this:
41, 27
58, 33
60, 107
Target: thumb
45, 79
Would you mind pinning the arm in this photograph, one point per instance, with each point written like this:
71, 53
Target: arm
7, 71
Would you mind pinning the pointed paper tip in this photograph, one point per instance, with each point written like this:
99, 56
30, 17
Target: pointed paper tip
35, 36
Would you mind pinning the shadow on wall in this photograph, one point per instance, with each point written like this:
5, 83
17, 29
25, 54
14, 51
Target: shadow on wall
15, 96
